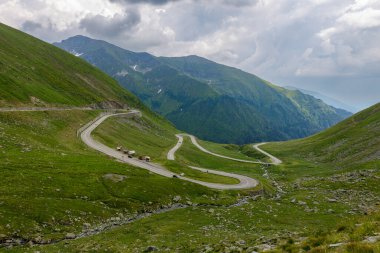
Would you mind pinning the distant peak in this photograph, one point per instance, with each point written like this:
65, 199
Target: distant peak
196, 57
193, 58
95, 43
78, 37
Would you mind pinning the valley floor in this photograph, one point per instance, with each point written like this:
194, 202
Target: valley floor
54, 187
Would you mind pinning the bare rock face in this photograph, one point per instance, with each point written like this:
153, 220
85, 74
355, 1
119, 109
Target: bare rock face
38, 239
37, 101
70, 236
114, 177
2, 237
372, 239
177, 198
86, 225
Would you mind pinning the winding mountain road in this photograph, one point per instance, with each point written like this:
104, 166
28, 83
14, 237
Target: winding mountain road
275, 160
171, 153
85, 134
245, 182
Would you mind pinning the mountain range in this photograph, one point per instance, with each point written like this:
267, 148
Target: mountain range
212, 101
327, 99
59, 195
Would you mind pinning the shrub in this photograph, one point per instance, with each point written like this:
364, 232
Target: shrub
341, 228
359, 248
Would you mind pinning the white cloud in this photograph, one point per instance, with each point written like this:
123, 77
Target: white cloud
283, 41
362, 4
365, 18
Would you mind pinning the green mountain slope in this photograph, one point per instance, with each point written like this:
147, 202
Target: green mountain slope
36, 73
354, 142
53, 187
332, 206
51, 182
213, 101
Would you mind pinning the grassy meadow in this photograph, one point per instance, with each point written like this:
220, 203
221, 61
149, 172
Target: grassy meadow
52, 183
55, 184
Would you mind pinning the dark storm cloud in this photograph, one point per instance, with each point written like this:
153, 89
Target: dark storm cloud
30, 26
110, 26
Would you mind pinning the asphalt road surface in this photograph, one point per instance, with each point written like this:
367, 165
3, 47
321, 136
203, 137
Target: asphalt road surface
245, 182
275, 160
171, 153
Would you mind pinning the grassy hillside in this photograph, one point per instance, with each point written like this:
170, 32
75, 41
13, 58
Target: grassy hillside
355, 142
307, 206
36, 73
54, 185
213, 101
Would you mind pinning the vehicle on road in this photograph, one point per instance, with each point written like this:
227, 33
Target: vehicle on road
244, 182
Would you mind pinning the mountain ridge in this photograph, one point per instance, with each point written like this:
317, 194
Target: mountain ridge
36, 73
326, 99
59, 196
182, 88
353, 142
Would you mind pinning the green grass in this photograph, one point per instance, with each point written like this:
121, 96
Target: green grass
191, 155
180, 168
354, 142
79, 174
352, 233
245, 152
280, 221
277, 222
32, 68
191, 230
53, 183
149, 137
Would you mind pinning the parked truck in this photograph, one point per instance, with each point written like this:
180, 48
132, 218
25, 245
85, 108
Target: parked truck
144, 158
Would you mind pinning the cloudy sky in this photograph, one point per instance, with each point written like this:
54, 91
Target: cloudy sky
328, 46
